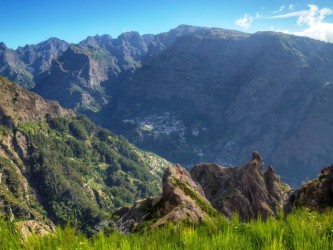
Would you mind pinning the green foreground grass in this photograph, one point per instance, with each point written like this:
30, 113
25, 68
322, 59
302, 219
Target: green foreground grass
300, 230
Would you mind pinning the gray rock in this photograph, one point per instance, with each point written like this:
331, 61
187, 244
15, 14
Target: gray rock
247, 190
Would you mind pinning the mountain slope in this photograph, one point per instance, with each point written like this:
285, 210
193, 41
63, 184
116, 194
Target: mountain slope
227, 97
62, 167
18, 105
87, 75
83, 74
164, 40
76, 78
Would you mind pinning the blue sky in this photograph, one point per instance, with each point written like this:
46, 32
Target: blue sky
32, 21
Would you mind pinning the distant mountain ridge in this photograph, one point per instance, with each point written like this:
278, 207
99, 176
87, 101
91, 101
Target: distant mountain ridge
198, 94
27, 64
109, 62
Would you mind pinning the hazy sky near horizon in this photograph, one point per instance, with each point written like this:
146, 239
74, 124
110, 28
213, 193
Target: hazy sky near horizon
31, 21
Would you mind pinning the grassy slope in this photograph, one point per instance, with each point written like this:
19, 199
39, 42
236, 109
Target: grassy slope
300, 230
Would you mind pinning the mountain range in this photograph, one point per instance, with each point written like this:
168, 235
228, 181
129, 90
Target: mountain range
58, 168
195, 94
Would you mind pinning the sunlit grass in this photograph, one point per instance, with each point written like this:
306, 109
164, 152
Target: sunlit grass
301, 230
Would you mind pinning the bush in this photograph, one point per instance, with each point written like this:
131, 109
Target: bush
78, 130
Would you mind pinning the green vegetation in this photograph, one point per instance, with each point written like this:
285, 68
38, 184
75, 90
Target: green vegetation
206, 207
4, 131
300, 230
83, 173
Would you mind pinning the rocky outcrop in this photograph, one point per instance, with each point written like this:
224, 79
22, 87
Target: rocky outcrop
32, 227
182, 199
247, 190
316, 195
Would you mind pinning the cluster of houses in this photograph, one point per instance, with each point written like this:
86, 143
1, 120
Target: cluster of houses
159, 124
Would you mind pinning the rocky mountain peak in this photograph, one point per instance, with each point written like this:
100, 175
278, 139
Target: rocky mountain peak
256, 159
97, 41
270, 174
3, 46
182, 199
129, 35
245, 190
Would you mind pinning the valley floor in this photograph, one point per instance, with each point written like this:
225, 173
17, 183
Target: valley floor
300, 230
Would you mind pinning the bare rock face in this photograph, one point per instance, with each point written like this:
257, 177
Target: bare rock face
182, 199
246, 190
81, 72
315, 195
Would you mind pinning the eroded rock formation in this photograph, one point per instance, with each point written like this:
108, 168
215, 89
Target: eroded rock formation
246, 190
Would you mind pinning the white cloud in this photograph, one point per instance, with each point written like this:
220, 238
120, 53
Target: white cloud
282, 8
314, 21
321, 31
247, 20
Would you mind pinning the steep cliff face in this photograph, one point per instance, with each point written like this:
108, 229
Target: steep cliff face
226, 97
83, 75
247, 190
75, 79
182, 199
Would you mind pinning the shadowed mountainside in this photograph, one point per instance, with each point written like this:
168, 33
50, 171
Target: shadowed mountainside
217, 99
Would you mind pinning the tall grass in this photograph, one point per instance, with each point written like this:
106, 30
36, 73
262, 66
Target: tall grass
300, 230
